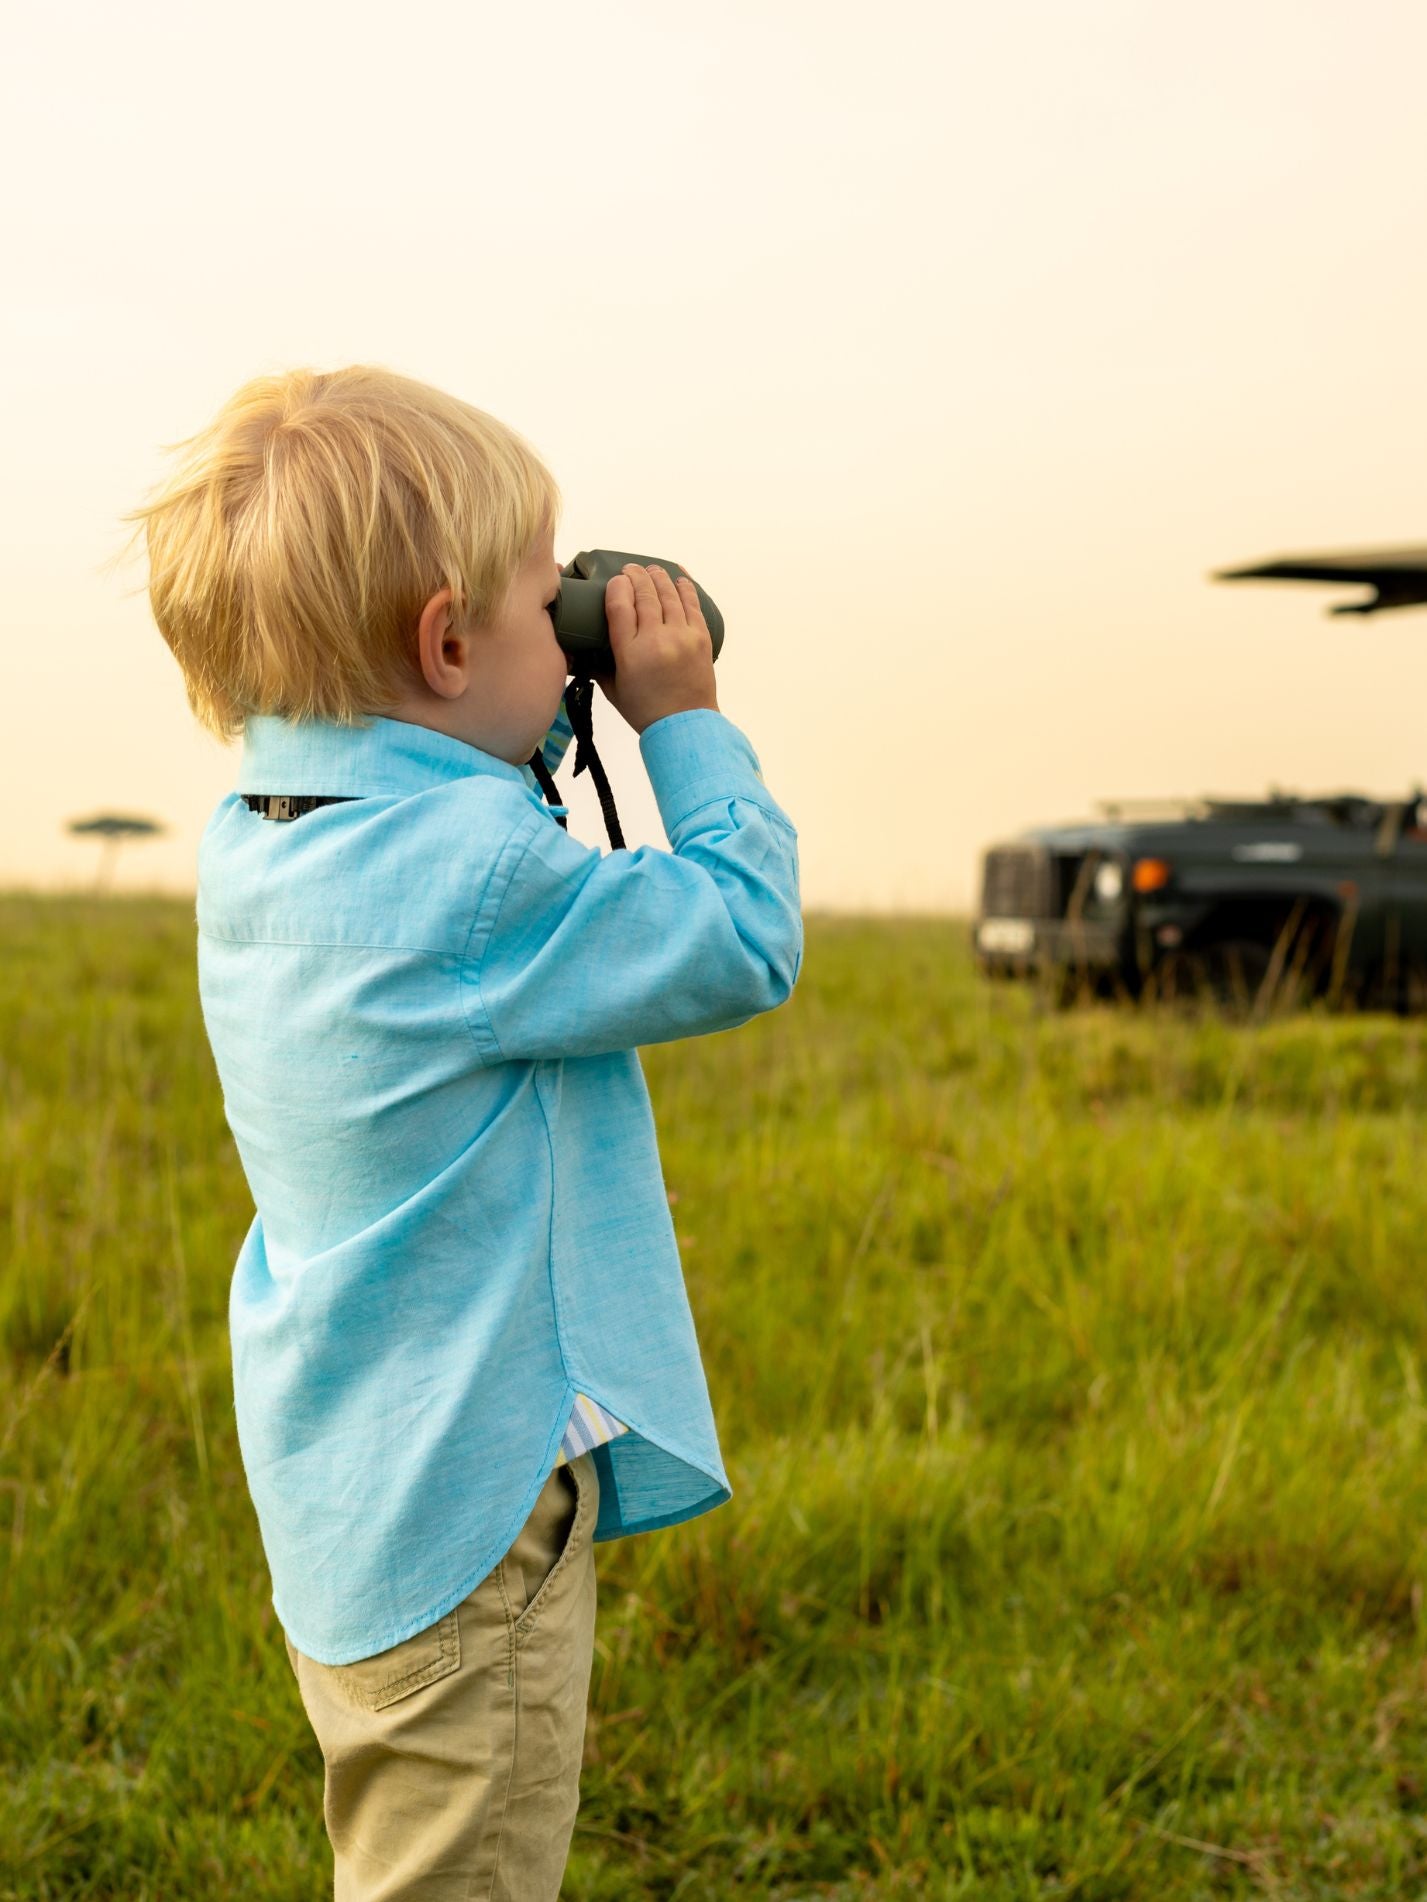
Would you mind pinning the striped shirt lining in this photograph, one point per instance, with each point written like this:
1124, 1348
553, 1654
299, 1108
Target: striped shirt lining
590, 1425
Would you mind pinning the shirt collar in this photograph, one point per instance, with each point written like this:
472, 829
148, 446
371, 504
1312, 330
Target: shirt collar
389, 756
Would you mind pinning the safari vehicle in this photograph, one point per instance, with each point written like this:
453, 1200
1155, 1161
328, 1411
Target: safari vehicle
1254, 904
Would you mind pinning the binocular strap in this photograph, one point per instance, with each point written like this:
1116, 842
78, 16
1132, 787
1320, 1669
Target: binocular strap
579, 696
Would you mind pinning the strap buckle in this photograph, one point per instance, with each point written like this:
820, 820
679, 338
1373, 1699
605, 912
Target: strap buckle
291, 805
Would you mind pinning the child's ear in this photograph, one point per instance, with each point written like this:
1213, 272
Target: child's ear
439, 648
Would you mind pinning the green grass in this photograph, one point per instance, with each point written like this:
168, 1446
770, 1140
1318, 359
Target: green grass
1070, 1377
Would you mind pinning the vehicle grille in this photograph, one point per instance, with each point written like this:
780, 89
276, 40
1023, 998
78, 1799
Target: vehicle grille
1017, 882
1067, 869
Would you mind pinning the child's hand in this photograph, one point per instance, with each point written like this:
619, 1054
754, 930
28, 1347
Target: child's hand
663, 651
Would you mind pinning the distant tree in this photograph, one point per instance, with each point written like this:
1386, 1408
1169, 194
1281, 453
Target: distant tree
114, 828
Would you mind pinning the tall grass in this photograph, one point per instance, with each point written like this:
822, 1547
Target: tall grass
1070, 1375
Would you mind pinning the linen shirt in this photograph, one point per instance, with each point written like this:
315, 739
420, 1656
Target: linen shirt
424, 1007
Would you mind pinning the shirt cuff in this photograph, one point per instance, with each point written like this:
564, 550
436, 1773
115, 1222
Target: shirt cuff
697, 756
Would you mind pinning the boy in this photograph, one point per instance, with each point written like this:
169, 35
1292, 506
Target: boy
462, 1349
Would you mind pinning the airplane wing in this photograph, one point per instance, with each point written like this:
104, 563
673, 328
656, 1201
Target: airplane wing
1397, 576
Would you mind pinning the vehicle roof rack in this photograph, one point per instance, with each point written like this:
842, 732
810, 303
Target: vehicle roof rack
1343, 806
1171, 805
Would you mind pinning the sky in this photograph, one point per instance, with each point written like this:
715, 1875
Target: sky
950, 348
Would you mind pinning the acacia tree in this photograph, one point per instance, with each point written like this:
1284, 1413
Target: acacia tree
114, 828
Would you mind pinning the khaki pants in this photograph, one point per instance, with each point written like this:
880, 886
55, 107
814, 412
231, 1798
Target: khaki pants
453, 1759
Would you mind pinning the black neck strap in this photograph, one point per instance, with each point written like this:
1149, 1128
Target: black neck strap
579, 696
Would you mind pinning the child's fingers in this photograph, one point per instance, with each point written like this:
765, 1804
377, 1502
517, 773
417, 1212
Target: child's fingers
642, 595
619, 606
679, 599
670, 600
654, 594
689, 595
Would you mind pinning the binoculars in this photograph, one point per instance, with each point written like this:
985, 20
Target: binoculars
579, 616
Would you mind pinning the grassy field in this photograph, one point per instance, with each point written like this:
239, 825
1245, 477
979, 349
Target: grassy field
1070, 1377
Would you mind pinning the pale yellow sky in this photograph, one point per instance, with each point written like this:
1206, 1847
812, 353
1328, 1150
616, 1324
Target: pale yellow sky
949, 347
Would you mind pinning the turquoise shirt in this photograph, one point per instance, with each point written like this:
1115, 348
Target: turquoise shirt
424, 1007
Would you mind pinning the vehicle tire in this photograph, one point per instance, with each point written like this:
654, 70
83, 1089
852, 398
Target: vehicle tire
1225, 977
1234, 971
1175, 982
1067, 987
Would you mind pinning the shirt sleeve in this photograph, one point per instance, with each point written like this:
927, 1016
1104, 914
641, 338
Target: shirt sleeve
581, 952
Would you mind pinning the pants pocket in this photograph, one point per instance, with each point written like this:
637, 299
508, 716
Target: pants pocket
389, 1675
557, 1526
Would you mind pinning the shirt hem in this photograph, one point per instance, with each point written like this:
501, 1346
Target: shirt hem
449, 1599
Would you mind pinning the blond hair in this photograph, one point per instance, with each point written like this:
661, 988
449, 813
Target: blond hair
293, 549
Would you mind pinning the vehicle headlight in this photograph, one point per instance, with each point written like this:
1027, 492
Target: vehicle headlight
1109, 882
